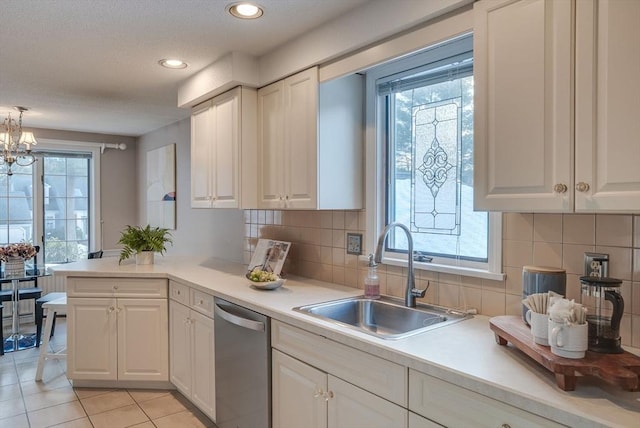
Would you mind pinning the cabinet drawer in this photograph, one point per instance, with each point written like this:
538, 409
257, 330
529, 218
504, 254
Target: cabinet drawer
202, 302
179, 292
152, 288
381, 377
441, 402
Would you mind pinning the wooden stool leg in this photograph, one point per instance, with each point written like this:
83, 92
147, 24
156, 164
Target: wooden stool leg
45, 343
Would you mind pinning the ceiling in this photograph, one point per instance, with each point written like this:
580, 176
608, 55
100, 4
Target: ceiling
91, 66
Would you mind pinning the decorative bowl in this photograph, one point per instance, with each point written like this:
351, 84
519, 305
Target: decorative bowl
266, 285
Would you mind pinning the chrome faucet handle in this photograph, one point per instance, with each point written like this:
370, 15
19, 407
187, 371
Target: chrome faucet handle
416, 292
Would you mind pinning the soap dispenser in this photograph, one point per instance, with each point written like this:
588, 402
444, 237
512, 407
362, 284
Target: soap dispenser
372, 282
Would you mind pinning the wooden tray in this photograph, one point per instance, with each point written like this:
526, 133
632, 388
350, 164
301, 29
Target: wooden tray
618, 369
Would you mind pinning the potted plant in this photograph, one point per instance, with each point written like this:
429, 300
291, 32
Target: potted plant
143, 242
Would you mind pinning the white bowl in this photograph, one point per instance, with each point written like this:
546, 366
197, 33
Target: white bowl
268, 285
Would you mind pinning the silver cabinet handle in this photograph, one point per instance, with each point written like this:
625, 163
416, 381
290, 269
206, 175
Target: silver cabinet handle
239, 321
582, 187
560, 188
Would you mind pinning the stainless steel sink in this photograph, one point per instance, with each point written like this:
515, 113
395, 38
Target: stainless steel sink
386, 317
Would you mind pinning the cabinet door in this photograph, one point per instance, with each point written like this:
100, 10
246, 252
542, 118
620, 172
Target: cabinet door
143, 339
91, 339
225, 165
202, 362
350, 406
607, 105
301, 139
180, 369
416, 421
270, 145
297, 393
523, 105
201, 146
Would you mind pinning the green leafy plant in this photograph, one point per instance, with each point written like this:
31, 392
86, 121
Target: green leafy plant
136, 239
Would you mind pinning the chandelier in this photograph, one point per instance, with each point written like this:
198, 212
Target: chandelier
15, 144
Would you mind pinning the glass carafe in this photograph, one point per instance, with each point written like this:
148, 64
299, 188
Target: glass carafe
604, 303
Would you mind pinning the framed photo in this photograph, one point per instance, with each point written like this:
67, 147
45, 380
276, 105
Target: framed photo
269, 255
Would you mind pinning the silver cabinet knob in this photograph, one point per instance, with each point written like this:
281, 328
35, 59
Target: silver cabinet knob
560, 188
582, 187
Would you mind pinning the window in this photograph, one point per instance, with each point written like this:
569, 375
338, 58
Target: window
51, 203
424, 134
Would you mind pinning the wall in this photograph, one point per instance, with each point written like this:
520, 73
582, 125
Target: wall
217, 233
118, 173
560, 240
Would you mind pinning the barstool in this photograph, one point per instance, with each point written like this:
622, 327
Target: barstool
39, 313
58, 306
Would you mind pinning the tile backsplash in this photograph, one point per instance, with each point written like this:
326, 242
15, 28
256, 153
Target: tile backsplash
318, 251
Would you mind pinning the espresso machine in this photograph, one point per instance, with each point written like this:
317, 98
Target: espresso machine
605, 306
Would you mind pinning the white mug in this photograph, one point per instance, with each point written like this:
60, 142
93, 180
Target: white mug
539, 327
568, 340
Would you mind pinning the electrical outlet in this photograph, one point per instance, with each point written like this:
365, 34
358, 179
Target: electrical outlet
596, 264
354, 243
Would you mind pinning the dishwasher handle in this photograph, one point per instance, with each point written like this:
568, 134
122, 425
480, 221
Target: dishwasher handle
239, 321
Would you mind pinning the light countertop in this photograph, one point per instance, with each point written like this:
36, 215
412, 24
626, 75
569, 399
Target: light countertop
464, 353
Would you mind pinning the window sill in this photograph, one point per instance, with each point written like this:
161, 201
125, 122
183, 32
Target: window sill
453, 270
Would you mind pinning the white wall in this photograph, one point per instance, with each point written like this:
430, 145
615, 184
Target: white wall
216, 233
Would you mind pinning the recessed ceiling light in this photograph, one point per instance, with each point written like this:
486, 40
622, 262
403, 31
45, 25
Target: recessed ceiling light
172, 63
245, 10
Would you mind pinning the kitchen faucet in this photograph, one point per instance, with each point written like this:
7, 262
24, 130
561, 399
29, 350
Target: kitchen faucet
411, 292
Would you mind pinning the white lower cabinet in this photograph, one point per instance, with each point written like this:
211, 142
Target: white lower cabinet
417, 421
304, 396
320, 383
192, 368
454, 406
117, 329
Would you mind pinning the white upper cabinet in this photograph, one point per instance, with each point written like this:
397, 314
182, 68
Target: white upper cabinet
607, 105
223, 151
310, 143
523, 105
536, 148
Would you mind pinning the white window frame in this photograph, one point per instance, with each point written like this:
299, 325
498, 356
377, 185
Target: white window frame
376, 186
95, 210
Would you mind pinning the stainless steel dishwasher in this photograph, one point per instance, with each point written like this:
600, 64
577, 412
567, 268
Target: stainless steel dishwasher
243, 367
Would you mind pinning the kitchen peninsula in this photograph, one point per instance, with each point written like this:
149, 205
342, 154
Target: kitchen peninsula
461, 361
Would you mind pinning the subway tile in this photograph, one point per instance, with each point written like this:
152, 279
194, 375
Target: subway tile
326, 219
519, 227
547, 254
338, 220
449, 295
573, 257
635, 331
626, 329
636, 231
625, 291
493, 303
513, 305
547, 227
513, 282
578, 229
635, 299
517, 253
620, 265
636, 264
470, 298
573, 287
614, 230
338, 239
351, 220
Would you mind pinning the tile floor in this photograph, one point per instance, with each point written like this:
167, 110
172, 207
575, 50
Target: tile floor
25, 403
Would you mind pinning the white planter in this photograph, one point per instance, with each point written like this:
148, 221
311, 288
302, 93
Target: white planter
144, 258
